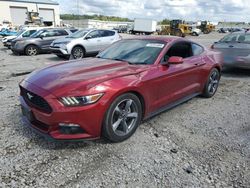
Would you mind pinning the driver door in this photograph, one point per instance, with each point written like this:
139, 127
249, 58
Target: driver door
93, 42
178, 81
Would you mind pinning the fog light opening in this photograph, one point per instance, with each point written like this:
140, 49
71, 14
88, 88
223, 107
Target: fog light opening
70, 128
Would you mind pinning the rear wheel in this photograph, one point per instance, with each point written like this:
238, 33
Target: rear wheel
78, 52
31, 50
212, 83
122, 118
178, 33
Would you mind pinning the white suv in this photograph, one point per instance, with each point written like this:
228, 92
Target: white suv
84, 42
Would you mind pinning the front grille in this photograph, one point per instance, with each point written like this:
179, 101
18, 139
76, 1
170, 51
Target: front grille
35, 100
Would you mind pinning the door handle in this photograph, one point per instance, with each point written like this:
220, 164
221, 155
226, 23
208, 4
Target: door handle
230, 46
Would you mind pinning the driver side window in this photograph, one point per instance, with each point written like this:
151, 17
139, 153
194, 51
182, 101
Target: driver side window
94, 34
180, 49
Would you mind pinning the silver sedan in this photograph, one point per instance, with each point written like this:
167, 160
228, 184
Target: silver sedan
235, 48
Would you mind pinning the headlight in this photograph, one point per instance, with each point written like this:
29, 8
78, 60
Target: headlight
63, 45
81, 100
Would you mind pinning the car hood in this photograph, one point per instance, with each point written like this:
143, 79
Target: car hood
81, 75
8, 38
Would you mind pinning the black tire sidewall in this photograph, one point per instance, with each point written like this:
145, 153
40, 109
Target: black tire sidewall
107, 130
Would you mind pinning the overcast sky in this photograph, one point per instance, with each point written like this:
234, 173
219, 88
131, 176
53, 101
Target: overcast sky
213, 10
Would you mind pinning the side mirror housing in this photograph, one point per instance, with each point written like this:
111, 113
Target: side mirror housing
175, 60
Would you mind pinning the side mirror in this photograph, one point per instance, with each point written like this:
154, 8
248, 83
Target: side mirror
88, 37
175, 60
41, 37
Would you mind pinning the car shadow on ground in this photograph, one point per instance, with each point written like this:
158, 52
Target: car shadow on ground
236, 72
55, 58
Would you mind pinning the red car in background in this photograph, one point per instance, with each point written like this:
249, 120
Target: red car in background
110, 95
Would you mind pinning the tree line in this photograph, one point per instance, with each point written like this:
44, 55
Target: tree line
103, 18
94, 17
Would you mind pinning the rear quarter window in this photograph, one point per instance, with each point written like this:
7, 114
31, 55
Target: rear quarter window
61, 32
197, 49
244, 38
105, 33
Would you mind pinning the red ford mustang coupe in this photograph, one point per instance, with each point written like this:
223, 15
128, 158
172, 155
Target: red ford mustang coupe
110, 95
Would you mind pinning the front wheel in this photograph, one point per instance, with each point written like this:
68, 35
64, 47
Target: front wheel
31, 50
212, 83
78, 52
122, 118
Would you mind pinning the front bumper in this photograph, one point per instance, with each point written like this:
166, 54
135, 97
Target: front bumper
88, 117
59, 51
17, 47
7, 44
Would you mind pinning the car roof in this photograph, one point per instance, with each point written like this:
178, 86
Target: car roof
241, 32
166, 39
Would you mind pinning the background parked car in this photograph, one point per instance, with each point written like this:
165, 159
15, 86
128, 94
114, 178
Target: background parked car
235, 48
27, 32
38, 42
88, 41
7, 32
195, 31
223, 30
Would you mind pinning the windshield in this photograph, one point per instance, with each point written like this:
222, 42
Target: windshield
78, 34
230, 38
20, 32
134, 51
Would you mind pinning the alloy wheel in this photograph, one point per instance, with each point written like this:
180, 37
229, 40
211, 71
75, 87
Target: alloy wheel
78, 53
124, 117
32, 51
213, 82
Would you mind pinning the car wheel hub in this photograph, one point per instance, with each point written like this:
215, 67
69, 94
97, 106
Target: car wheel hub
124, 117
78, 54
32, 51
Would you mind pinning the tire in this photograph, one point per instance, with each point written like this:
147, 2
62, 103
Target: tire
178, 33
122, 118
212, 83
31, 50
78, 52
206, 31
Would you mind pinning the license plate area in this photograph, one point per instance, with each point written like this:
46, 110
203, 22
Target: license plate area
27, 113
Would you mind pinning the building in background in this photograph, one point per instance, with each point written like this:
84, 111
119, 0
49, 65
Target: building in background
15, 11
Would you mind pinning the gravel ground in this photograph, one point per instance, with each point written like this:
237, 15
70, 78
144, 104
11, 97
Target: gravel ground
201, 143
